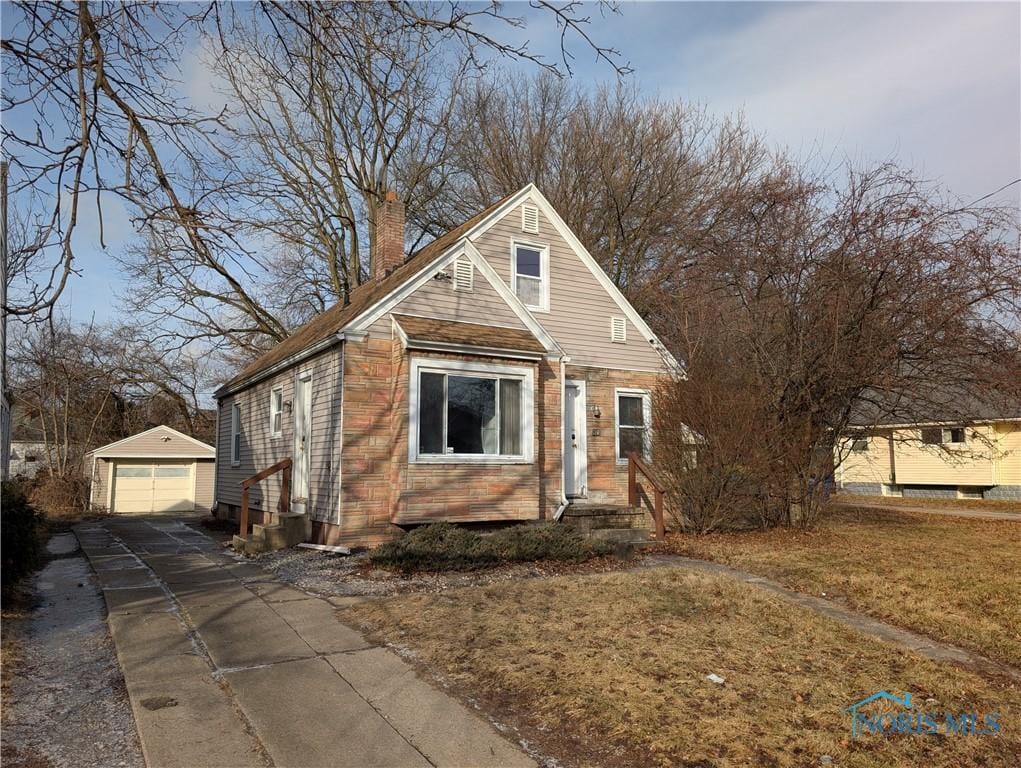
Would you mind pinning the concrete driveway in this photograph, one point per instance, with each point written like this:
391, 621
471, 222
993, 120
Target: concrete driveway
226, 666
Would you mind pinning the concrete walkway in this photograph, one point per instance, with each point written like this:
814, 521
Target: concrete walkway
920, 644
225, 666
966, 512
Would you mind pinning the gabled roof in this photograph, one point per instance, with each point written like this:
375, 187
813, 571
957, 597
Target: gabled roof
322, 330
426, 331
323, 327
136, 445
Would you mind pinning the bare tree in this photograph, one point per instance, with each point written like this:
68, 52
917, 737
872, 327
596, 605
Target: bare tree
837, 300
93, 106
644, 182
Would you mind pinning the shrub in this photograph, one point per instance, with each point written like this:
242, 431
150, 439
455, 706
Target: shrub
447, 547
20, 536
60, 496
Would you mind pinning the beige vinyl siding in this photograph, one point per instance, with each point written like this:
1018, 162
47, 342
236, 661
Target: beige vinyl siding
152, 443
438, 299
1008, 458
204, 471
259, 449
970, 464
872, 466
579, 307
101, 484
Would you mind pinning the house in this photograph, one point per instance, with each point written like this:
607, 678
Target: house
158, 470
496, 375
976, 459
26, 457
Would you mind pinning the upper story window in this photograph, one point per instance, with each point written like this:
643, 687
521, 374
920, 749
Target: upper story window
530, 268
235, 434
276, 411
859, 442
473, 412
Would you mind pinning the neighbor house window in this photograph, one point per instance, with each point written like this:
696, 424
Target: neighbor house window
530, 267
943, 435
276, 409
470, 412
633, 417
235, 434
859, 443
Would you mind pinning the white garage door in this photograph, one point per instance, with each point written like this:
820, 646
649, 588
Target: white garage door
147, 487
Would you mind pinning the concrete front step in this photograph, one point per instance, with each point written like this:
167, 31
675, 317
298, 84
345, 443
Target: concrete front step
633, 536
282, 532
597, 517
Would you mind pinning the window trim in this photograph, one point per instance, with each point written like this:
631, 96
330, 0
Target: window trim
544, 275
273, 433
235, 433
646, 396
526, 374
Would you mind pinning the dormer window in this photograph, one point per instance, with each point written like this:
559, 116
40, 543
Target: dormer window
530, 267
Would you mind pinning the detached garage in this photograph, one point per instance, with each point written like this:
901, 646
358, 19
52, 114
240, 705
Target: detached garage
157, 471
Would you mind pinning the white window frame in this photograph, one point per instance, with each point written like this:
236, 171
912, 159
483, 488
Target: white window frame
544, 276
235, 434
646, 417
275, 410
526, 374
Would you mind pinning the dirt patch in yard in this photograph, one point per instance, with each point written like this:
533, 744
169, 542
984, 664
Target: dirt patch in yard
353, 575
612, 670
952, 579
64, 698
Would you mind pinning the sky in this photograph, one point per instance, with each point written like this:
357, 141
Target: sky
935, 86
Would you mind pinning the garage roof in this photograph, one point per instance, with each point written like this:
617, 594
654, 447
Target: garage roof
160, 442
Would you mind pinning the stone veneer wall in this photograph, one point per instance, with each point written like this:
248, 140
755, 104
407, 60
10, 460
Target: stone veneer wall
607, 479
381, 490
862, 489
1004, 492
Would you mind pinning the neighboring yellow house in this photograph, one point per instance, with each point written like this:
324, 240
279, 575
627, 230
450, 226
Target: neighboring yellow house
975, 461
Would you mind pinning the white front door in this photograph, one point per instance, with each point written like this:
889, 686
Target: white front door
302, 465
575, 443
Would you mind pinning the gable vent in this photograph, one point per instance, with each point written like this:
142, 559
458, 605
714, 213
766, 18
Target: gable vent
530, 219
618, 330
464, 275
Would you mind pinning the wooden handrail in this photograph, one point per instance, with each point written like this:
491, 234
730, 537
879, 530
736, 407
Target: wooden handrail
285, 490
634, 466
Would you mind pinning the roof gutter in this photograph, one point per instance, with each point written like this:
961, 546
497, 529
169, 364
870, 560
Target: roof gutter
284, 364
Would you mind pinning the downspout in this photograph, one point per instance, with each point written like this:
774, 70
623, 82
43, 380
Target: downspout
92, 483
559, 513
216, 460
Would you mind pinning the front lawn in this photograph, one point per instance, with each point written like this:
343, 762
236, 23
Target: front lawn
954, 579
611, 670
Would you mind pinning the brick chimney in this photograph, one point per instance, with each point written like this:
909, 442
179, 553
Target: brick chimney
389, 242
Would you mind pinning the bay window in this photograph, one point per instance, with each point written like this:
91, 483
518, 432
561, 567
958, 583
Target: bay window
470, 412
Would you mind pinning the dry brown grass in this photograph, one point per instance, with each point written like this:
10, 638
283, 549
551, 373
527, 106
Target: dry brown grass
612, 670
957, 580
981, 505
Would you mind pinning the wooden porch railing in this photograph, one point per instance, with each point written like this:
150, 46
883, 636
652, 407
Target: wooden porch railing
285, 490
635, 491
